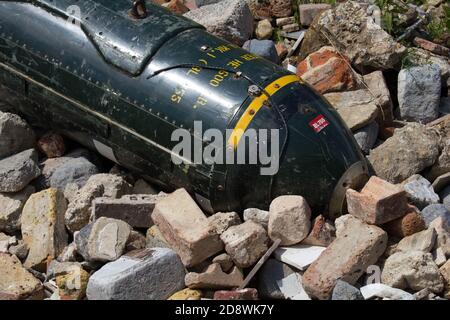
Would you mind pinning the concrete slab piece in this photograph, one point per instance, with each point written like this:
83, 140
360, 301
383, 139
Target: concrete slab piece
299, 256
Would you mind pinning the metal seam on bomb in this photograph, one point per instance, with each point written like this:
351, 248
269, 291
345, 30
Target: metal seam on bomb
256, 105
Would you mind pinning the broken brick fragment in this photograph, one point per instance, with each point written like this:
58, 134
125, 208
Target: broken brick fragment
378, 202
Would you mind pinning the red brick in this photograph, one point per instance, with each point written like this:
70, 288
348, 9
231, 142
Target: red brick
186, 228
52, 144
357, 246
378, 202
410, 223
316, 60
282, 50
432, 47
327, 71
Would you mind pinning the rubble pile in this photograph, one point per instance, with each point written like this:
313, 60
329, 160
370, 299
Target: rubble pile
72, 227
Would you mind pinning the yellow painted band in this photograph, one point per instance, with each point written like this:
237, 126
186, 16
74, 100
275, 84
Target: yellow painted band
255, 105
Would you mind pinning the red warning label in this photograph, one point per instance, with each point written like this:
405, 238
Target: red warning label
318, 123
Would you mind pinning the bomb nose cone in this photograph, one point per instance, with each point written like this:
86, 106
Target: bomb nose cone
321, 158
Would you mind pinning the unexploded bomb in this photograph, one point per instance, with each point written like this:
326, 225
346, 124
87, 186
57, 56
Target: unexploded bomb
121, 78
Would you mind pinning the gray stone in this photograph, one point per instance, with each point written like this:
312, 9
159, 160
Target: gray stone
289, 219
350, 98
245, 243
17, 171
443, 235
264, 30
20, 250
377, 86
100, 185
43, 228
79, 209
348, 27
439, 256
357, 108
433, 3
70, 191
136, 210
16, 282
268, 279
345, 291
445, 271
422, 294
75, 170
445, 197
49, 166
103, 240
434, 211
114, 186
155, 239
307, 12
201, 3
231, 20
136, 241
221, 221
442, 164
6, 241
441, 182
367, 136
142, 187
419, 191
11, 205
257, 215
56, 267
358, 116
262, 48
225, 261
444, 106
128, 176
420, 241
421, 57
414, 269
15, 135
419, 93
69, 253
410, 150
92, 266
149, 274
